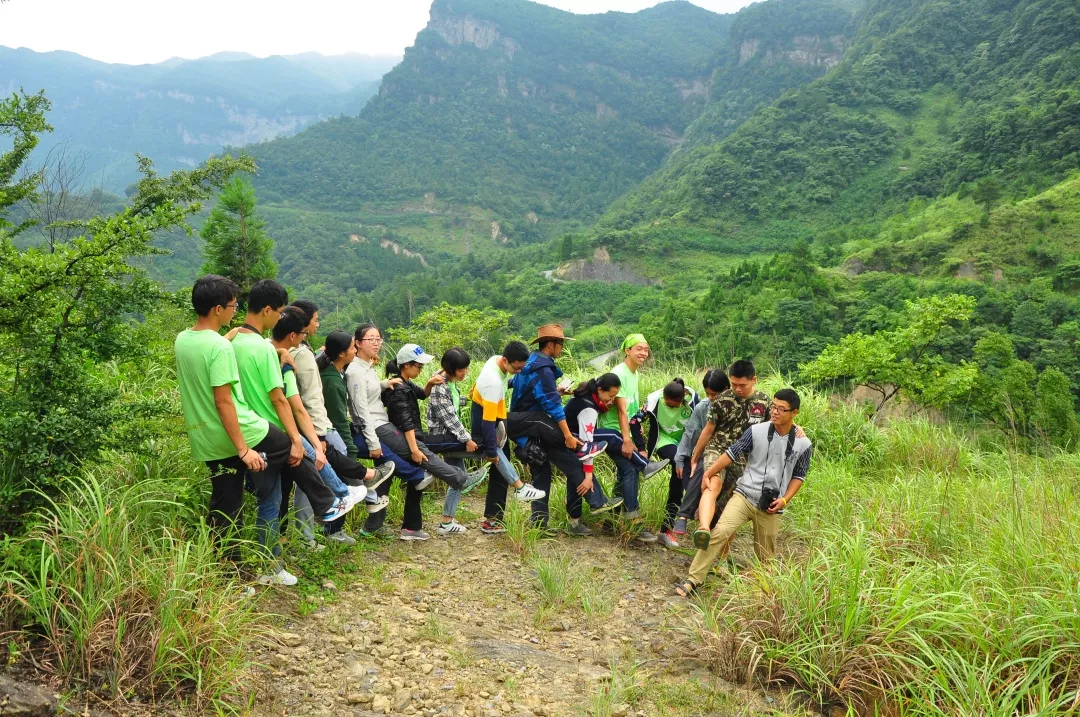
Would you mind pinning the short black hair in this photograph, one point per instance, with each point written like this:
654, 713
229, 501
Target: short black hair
544, 342
292, 321
266, 292
454, 360
308, 307
515, 352
715, 380
742, 368
212, 290
788, 396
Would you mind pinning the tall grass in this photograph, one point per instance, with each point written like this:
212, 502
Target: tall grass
924, 575
129, 596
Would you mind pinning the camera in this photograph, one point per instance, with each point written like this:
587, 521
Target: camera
768, 497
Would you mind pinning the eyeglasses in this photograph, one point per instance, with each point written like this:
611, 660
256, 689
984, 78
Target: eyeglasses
781, 411
374, 340
233, 305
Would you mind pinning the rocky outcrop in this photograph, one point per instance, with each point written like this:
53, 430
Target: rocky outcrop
481, 34
599, 268
801, 50
19, 698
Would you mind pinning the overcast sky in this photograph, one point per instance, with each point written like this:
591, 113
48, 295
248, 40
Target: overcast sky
138, 31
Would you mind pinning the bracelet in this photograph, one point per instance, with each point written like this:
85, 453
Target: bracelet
245, 453
785, 502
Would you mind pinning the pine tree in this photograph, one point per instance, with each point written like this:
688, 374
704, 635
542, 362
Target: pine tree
236, 242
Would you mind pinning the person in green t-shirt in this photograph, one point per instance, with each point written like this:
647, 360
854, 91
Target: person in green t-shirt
625, 444
224, 432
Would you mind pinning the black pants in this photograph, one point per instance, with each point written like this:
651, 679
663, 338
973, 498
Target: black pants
539, 425
227, 482
495, 502
675, 487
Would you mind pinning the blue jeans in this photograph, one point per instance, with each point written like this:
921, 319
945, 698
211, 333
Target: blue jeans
453, 496
330, 478
627, 470
408, 472
267, 489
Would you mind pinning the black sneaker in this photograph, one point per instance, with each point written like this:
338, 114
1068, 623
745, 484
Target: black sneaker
382, 474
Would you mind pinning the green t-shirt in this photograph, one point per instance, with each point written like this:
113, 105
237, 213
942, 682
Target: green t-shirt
260, 373
205, 359
671, 423
629, 391
291, 389
455, 396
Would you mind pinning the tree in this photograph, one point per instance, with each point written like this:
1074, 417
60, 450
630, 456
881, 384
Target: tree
66, 309
902, 360
236, 242
1055, 412
446, 326
986, 192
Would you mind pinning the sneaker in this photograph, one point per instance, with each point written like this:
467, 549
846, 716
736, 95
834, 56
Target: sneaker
357, 493
668, 540
313, 545
680, 527
341, 507
451, 528
655, 467
382, 474
474, 479
528, 493
500, 434
578, 528
414, 535
612, 504
341, 538
380, 503
281, 577
383, 532
428, 480
491, 528
646, 536
591, 450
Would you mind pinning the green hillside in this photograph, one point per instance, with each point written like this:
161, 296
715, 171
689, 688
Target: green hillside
931, 96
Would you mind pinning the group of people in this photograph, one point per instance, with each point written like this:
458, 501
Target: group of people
289, 424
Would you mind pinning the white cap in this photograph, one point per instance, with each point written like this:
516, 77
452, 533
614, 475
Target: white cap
412, 353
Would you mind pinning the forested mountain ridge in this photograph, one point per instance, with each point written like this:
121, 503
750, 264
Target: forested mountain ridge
179, 112
930, 97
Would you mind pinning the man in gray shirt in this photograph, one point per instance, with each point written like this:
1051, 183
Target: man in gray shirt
777, 461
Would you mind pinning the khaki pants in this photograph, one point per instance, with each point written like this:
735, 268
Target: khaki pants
738, 512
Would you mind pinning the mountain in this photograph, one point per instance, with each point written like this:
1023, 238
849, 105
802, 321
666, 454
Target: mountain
516, 108
179, 112
929, 99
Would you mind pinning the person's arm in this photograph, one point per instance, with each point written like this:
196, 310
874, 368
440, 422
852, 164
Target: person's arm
624, 427
587, 419
284, 414
417, 455
798, 477
226, 411
737, 450
435, 380
307, 429
569, 439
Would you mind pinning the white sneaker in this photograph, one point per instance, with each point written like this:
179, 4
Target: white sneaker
342, 537
357, 493
281, 577
340, 507
528, 493
380, 503
451, 528
428, 480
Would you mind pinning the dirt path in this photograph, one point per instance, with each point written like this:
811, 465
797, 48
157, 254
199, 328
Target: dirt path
468, 626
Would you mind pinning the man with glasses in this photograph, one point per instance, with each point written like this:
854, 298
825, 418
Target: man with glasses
777, 460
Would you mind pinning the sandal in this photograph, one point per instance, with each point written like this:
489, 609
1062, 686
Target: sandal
686, 589
702, 538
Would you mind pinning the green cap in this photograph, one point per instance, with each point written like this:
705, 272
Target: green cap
633, 340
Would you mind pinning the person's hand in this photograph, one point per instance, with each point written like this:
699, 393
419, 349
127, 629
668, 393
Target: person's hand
253, 461
627, 448
320, 456
799, 432
678, 470
395, 381
436, 380
471, 447
644, 454
572, 443
417, 455
491, 459
296, 453
585, 487
375, 453
777, 505
286, 358
232, 333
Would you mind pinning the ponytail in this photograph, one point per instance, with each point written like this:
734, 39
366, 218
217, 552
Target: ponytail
392, 369
337, 343
676, 390
606, 382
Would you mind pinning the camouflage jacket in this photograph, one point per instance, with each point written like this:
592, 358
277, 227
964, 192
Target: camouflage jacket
731, 416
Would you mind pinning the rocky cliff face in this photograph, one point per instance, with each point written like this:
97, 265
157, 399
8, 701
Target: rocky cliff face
802, 50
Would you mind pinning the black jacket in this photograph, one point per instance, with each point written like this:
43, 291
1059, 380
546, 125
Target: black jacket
403, 405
